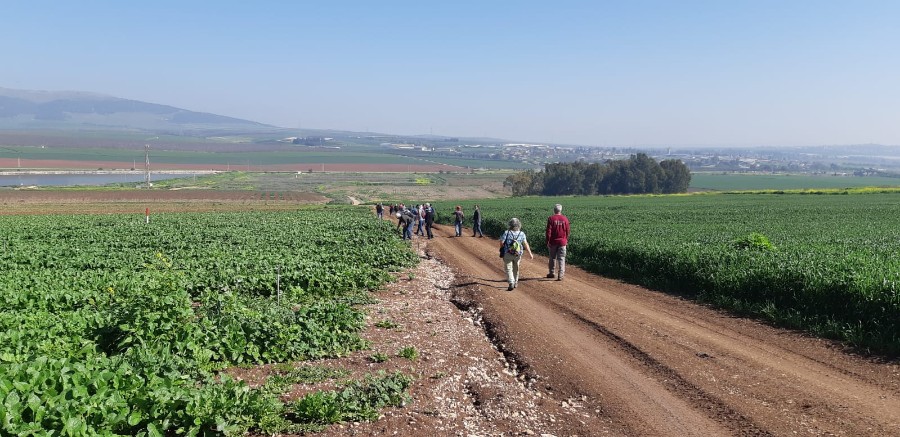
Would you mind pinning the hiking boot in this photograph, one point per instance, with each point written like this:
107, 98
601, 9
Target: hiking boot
510, 288
550, 276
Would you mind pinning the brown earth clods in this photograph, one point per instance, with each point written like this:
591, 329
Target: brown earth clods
139, 201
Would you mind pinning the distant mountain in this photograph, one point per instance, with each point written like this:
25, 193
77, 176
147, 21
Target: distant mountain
22, 109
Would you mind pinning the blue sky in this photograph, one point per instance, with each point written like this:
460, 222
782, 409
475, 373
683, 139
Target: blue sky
608, 73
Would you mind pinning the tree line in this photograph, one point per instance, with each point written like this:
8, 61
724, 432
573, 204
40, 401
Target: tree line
639, 174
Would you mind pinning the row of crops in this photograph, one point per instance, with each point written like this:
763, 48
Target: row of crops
112, 326
827, 264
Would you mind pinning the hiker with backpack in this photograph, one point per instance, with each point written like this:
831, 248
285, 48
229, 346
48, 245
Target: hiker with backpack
405, 223
410, 222
512, 244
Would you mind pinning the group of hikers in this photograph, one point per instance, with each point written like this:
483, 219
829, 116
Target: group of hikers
513, 241
420, 217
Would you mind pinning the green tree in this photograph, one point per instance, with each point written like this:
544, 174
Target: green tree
525, 183
677, 176
639, 174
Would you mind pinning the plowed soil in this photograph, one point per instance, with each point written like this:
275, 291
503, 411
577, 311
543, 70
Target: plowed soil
17, 202
646, 363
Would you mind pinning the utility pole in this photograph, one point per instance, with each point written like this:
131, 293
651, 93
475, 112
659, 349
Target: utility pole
147, 164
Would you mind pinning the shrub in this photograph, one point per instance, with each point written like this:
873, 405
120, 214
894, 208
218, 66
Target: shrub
754, 241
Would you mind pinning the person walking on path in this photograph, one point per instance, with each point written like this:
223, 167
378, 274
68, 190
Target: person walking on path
458, 217
429, 220
476, 223
420, 226
379, 210
512, 243
557, 239
414, 210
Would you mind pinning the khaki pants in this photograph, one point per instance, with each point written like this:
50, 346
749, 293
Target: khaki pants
512, 268
557, 253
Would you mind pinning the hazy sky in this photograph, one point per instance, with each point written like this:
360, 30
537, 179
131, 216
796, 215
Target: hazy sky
674, 72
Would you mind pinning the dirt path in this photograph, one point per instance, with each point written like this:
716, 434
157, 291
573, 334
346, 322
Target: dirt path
651, 364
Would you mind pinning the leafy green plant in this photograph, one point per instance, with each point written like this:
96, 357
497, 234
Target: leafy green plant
409, 352
111, 326
287, 374
753, 241
387, 324
356, 401
378, 357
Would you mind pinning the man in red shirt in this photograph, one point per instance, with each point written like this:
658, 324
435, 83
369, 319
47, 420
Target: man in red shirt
557, 239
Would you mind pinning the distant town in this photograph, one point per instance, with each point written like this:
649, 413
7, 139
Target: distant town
857, 160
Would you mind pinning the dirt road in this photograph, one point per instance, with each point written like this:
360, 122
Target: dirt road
646, 363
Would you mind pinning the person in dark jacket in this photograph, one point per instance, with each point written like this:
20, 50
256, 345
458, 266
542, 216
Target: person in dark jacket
404, 224
410, 222
476, 223
429, 220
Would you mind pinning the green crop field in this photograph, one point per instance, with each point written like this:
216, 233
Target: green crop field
831, 269
738, 182
481, 163
111, 326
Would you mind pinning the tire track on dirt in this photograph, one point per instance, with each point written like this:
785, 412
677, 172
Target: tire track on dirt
804, 384
572, 364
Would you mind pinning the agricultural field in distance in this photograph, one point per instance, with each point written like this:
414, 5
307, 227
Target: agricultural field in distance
252, 161
238, 191
740, 182
362, 186
199, 153
826, 264
113, 326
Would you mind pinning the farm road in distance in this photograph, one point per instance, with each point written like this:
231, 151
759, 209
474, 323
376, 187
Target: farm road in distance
646, 363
